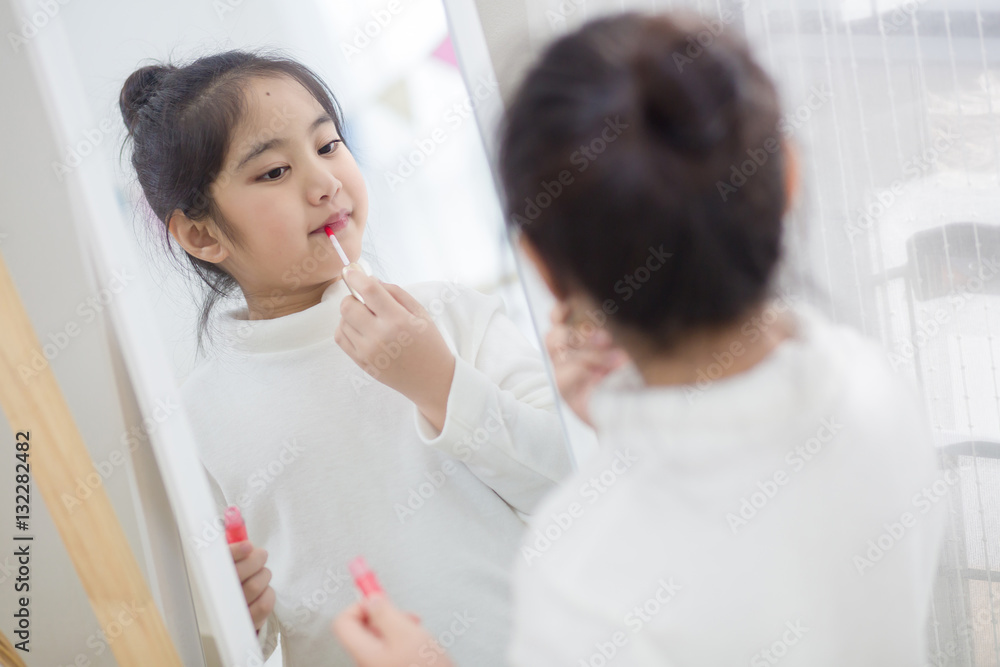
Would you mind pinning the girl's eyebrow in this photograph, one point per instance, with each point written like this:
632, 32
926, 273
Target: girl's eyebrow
274, 143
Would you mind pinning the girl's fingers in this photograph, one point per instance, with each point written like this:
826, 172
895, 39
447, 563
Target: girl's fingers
262, 607
250, 565
256, 584
352, 629
579, 338
349, 339
388, 620
404, 298
377, 299
595, 359
353, 334
346, 344
240, 550
590, 354
357, 313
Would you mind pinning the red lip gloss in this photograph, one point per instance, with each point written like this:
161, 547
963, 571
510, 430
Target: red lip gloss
364, 578
236, 530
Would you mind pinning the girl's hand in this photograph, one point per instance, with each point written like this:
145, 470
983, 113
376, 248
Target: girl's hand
256, 580
392, 337
377, 634
580, 360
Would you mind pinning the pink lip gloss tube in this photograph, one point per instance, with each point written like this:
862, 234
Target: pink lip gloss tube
364, 578
236, 530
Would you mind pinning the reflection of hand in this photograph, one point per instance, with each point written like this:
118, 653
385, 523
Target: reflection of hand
377, 634
391, 336
256, 580
580, 361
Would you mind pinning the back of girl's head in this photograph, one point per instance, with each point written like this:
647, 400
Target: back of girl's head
619, 148
181, 120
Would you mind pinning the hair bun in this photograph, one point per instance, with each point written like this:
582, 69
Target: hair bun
137, 91
684, 106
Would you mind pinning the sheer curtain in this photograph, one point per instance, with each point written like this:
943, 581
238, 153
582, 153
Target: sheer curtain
893, 106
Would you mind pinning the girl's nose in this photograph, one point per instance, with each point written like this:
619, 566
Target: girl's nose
321, 185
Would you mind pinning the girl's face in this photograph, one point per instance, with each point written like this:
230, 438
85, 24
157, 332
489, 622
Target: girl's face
287, 174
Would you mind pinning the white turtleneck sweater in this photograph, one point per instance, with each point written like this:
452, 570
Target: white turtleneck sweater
787, 515
327, 463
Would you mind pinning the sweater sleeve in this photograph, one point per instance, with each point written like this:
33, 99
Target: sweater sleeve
267, 636
501, 418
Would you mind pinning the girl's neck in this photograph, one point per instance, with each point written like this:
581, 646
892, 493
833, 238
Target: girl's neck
267, 306
718, 353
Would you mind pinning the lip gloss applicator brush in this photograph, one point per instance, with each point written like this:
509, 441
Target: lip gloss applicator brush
348, 264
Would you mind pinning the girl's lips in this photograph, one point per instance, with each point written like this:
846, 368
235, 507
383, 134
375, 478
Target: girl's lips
336, 226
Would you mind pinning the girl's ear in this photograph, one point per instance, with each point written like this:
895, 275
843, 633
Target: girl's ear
196, 238
541, 267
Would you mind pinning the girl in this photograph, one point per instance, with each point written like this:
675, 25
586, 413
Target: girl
755, 498
242, 158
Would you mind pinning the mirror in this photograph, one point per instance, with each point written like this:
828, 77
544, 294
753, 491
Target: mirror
422, 467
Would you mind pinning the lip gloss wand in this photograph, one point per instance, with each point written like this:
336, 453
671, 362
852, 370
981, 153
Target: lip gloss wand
348, 264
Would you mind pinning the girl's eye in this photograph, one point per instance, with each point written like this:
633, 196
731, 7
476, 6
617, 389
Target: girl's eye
274, 174
332, 146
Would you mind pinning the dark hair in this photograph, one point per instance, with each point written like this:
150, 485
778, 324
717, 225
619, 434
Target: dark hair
678, 117
180, 120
